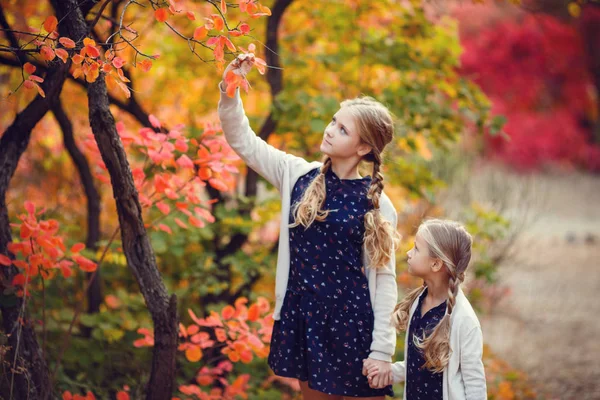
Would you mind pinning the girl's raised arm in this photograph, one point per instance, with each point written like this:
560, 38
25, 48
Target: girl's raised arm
266, 160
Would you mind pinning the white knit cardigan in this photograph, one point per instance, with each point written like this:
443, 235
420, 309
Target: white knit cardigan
282, 170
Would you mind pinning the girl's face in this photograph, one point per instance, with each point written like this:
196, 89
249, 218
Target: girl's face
341, 138
419, 261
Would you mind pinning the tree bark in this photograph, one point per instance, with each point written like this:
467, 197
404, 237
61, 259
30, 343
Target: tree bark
136, 243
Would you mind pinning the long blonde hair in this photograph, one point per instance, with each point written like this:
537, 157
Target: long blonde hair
450, 242
375, 126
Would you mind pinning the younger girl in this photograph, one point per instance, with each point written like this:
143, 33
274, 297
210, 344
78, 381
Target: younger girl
444, 343
335, 284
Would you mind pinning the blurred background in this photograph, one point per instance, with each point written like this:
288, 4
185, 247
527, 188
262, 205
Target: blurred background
497, 108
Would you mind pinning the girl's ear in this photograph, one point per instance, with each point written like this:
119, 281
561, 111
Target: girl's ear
364, 149
437, 265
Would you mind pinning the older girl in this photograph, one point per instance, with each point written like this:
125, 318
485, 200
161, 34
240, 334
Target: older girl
335, 282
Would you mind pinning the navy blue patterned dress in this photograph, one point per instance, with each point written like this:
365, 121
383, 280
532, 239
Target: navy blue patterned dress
326, 324
421, 383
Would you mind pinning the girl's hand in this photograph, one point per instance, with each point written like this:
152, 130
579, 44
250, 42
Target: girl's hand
241, 65
379, 373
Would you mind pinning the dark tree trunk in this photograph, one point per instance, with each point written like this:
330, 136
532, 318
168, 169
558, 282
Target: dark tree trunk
136, 244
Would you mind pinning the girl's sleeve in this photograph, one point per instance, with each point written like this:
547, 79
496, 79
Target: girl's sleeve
399, 371
471, 364
263, 158
383, 345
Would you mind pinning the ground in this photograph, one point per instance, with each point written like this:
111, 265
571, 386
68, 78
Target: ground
549, 326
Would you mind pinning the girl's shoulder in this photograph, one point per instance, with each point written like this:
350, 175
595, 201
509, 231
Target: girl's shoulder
463, 315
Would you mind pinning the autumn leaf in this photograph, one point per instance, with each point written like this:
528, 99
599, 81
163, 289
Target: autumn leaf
193, 354
145, 65
29, 68
47, 53
200, 33
191, 16
223, 7
4, 260
161, 14
62, 54
67, 42
118, 62
50, 24
77, 247
85, 264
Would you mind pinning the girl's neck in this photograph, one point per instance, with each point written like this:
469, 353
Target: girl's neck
345, 170
437, 290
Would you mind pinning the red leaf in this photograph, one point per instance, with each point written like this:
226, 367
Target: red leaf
77, 247
161, 14
29, 68
165, 228
4, 260
118, 62
191, 16
85, 264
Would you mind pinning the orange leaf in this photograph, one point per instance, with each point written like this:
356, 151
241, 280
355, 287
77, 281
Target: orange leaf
77, 59
223, 7
193, 354
92, 51
89, 42
220, 334
62, 54
77, 247
253, 313
145, 65
204, 173
85, 264
228, 43
122, 76
67, 42
228, 312
218, 184
200, 33
191, 16
50, 24
122, 395
47, 53
161, 14
4, 260
218, 21
112, 301
124, 88
29, 68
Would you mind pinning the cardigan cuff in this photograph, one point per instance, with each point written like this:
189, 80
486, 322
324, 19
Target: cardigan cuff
378, 355
226, 101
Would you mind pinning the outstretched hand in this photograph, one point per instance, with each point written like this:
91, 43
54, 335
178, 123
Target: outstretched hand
379, 373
